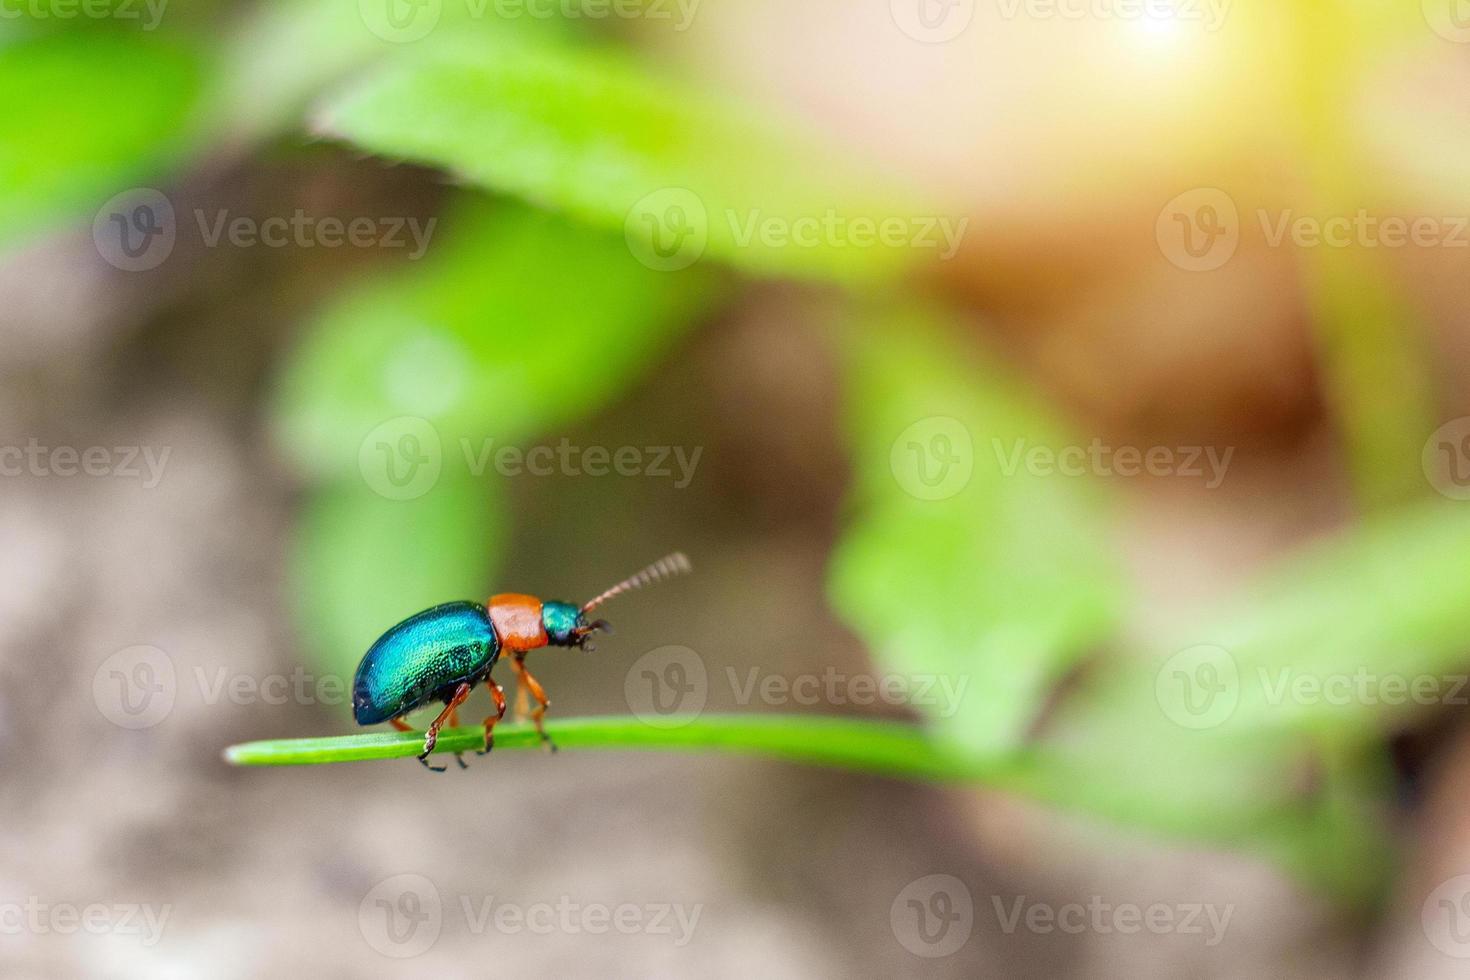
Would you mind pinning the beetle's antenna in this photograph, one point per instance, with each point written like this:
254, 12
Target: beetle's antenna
666, 567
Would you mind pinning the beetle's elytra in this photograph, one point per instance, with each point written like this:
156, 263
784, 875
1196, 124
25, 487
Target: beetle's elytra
440, 654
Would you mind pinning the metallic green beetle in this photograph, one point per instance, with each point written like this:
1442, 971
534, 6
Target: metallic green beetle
441, 653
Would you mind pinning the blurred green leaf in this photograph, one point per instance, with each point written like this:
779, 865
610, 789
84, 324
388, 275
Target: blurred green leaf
1336, 638
1198, 743
600, 137
363, 562
516, 321
87, 116
1370, 338
958, 561
290, 50
131, 15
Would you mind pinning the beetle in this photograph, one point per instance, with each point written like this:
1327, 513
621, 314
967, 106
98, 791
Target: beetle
440, 654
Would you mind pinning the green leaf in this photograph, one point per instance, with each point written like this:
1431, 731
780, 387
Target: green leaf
1332, 848
291, 50
600, 137
959, 562
1207, 730
1353, 636
363, 561
517, 321
87, 115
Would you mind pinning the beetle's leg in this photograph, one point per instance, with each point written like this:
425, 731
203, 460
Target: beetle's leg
454, 723
523, 703
498, 693
518, 664
400, 725
431, 737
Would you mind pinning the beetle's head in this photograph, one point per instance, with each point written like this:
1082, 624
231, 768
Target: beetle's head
567, 626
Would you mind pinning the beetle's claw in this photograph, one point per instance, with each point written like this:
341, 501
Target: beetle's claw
431, 739
459, 757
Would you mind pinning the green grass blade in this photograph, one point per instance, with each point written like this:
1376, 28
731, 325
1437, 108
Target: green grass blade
895, 749
891, 748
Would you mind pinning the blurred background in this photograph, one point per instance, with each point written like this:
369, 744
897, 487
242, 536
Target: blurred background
1081, 381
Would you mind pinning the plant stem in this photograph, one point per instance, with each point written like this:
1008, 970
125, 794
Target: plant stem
1371, 343
889, 748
